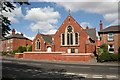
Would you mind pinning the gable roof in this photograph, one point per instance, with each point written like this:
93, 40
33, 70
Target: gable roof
47, 38
91, 32
111, 29
18, 36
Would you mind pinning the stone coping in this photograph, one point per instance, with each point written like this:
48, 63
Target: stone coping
46, 52
77, 54
19, 53
62, 53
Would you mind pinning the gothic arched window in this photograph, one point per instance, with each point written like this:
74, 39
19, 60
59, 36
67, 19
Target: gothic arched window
37, 44
76, 38
69, 37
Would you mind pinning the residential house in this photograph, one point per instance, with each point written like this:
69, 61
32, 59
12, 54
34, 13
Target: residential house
110, 36
13, 41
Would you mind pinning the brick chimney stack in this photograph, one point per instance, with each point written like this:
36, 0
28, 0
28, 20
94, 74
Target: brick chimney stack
21, 34
87, 27
101, 26
13, 31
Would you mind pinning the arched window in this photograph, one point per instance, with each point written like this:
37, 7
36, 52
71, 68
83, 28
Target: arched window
63, 39
76, 38
70, 37
37, 44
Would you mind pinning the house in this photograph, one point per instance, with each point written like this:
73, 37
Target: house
12, 42
110, 36
70, 43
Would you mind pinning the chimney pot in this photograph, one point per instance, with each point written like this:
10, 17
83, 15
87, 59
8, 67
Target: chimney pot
13, 31
101, 27
87, 27
21, 34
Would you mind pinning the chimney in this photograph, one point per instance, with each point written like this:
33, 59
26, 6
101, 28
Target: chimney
87, 27
13, 31
21, 34
101, 27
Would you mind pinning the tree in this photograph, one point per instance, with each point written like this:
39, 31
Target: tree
8, 7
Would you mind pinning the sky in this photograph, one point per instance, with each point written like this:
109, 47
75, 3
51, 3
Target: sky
47, 16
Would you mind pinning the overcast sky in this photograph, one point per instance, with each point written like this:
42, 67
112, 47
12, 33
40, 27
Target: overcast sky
48, 16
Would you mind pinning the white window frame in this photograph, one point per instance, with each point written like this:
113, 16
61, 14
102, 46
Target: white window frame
65, 37
111, 47
110, 37
36, 46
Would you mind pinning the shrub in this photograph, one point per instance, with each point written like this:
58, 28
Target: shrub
105, 56
15, 51
30, 48
4, 53
113, 57
104, 47
21, 49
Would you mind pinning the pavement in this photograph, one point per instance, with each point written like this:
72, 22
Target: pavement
91, 62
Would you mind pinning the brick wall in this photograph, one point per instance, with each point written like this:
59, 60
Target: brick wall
54, 56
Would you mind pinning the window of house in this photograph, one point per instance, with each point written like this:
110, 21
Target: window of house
111, 48
37, 44
110, 36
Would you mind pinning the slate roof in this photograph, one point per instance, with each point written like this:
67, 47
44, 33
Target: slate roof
18, 36
111, 29
91, 32
47, 38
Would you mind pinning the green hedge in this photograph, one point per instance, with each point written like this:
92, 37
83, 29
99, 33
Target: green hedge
108, 57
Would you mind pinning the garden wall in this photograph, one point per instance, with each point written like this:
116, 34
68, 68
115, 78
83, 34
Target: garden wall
55, 56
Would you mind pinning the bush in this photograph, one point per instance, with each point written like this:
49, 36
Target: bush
21, 49
4, 53
108, 57
113, 57
105, 56
15, 51
30, 48
104, 47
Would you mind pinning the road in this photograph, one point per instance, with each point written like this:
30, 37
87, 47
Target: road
29, 69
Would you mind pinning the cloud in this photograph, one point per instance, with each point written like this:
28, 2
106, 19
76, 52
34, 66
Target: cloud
14, 14
109, 10
52, 31
42, 19
85, 24
111, 17
73, 0
42, 26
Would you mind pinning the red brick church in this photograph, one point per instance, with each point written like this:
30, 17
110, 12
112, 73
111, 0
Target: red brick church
70, 43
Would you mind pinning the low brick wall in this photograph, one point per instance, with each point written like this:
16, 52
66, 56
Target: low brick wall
55, 56
43, 55
77, 57
18, 55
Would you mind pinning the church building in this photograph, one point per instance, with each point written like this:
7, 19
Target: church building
69, 38
71, 42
